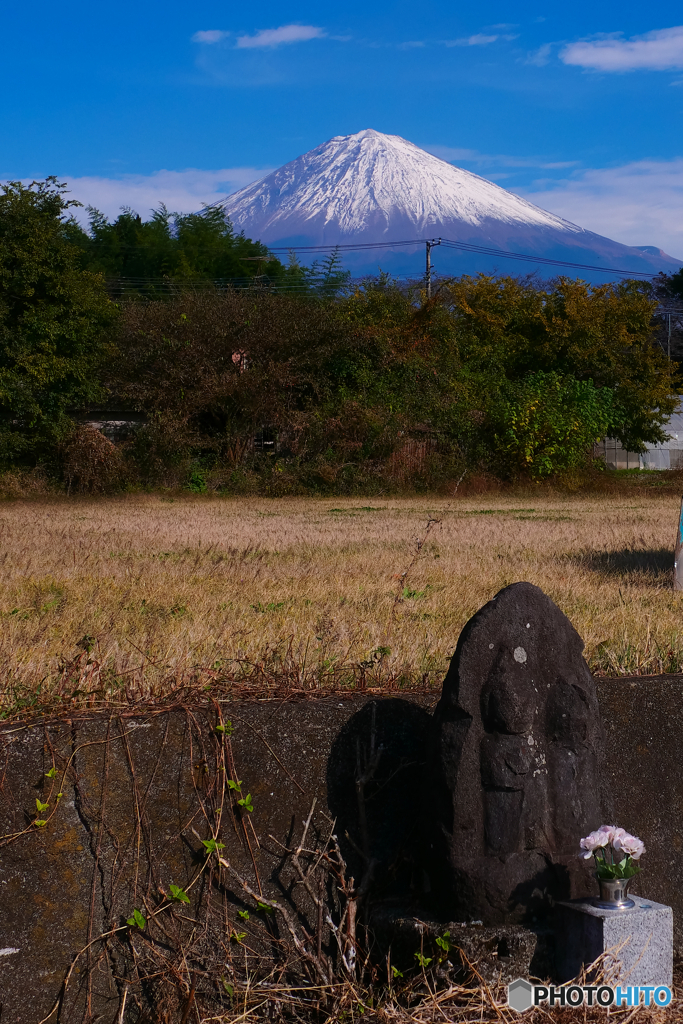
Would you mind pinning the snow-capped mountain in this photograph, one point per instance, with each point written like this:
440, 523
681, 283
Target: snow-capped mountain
371, 187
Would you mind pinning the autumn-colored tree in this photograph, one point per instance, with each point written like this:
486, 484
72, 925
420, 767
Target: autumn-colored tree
598, 333
497, 372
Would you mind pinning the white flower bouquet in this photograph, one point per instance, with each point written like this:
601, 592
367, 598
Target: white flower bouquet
615, 852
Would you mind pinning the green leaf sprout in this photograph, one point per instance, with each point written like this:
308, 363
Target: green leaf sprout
212, 845
179, 894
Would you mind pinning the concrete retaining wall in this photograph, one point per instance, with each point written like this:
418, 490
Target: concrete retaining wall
139, 795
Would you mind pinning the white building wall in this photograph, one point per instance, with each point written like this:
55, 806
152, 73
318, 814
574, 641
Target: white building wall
668, 455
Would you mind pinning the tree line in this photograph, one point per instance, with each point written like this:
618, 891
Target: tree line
144, 258
302, 386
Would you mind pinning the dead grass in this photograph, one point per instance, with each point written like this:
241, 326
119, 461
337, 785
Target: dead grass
157, 589
486, 1004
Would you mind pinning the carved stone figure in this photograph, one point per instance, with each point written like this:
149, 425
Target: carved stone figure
518, 761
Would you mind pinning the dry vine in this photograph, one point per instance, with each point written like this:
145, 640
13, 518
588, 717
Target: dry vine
233, 945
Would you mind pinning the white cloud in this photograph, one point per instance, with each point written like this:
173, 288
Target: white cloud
654, 51
214, 35
476, 40
278, 36
181, 191
637, 204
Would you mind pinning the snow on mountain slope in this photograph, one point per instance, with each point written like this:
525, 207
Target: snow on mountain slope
371, 187
356, 182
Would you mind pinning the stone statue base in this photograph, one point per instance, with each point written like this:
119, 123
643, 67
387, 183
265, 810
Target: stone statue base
644, 933
499, 953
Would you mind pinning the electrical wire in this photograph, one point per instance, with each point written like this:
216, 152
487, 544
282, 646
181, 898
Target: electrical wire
466, 247
450, 243
447, 243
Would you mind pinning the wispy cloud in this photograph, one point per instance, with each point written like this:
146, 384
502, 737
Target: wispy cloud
213, 35
539, 57
181, 191
269, 37
640, 203
453, 155
477, 40
654, 51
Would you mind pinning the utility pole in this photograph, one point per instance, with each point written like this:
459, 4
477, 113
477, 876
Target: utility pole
668, 347
430, 243
257, 280
678, 554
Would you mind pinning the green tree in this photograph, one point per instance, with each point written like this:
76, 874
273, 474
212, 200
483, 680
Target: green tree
669, 286
210, 369
547, 423
183, 247
327, 278
53, 318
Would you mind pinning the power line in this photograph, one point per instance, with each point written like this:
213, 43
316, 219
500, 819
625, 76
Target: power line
171, 286
448, 243
465, 246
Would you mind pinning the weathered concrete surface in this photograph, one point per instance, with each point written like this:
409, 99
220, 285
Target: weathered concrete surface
137, 790
376, 793
644, 724
138, 795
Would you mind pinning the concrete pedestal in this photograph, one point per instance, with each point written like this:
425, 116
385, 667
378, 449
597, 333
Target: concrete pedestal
501, 952
584, 932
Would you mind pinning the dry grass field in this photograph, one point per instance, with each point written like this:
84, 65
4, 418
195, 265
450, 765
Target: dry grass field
132, 595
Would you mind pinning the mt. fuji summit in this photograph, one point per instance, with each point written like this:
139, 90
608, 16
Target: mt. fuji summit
370, 187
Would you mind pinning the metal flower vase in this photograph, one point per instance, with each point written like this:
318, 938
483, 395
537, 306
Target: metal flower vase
614, 894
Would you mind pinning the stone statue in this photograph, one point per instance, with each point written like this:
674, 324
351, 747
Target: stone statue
518, 762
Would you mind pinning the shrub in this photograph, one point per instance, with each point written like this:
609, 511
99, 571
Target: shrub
547, 423
91, 463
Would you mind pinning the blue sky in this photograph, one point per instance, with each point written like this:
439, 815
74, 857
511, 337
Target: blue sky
576, 106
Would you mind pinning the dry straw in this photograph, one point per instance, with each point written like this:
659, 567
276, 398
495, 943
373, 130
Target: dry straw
123, 599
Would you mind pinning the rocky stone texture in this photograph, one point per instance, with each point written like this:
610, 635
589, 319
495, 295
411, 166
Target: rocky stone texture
518, 763
505, 951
